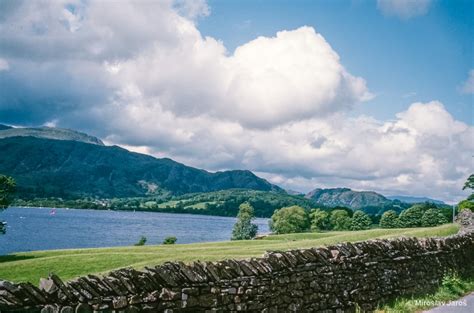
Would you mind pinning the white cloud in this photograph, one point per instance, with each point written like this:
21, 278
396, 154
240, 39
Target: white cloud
266, 82
404, 9
4, 66
193, 8
141, 75
468, 86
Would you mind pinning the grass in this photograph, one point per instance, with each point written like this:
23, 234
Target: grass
452, 288
71, 263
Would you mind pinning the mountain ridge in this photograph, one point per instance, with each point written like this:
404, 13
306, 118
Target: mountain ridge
347, 197
413, 199
48, 133
64, 168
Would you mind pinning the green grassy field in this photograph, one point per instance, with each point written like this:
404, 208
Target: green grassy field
72, 263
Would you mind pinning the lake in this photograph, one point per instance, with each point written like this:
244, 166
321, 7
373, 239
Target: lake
37, 229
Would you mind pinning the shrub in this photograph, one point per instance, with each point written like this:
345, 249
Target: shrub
466, 205
319, 220
453, 284
340, 220
360, 221
243, 228
141, 241
433, 217
389, 219
170, 240
291, 219
411, 217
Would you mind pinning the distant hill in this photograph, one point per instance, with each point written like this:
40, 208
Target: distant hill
73, 168
2, 127
348, 198
409, 199
48, 133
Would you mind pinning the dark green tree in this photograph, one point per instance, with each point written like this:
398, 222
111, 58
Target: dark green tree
293, 219
170, 240
411, 217
244, 229
469, 184
468, 204
433, 217
360, 221
340, 220
141, 241
319, 220
7, 190
389, 219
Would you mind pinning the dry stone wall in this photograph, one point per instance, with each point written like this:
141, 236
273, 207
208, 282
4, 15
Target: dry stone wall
328, 279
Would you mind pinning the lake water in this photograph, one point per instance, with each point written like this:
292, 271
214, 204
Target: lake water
37, 229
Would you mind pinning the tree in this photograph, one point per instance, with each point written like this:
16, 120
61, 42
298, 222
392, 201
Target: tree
411, 217
469, 184
170, 240
7, 189
466, 205
291, 219
244, 229
141, 241
389, 219
360, 221
433, 217
319, 220
340, 220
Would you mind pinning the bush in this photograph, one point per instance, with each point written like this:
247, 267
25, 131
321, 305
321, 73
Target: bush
433, 217
170, 240
360, 221
141, 241
319, 220
411, 217
291, 219
243, 228
389, 219
466, 205
340, 220
453, 284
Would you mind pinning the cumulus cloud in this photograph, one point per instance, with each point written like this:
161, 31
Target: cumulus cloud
404, 9
276, 105
467, 87
162, 56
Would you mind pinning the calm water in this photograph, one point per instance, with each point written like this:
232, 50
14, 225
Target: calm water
36, 229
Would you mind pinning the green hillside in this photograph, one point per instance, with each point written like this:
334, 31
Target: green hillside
73, 169
348, 198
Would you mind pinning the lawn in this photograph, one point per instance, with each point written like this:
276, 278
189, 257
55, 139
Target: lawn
76, 262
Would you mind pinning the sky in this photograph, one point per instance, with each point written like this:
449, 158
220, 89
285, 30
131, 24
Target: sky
370, 95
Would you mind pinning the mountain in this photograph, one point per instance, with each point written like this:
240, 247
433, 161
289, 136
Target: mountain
409, 199
348, 198
46, 167
48, 133
2, 127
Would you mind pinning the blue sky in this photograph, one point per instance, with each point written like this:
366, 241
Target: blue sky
403, 59
370, 95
